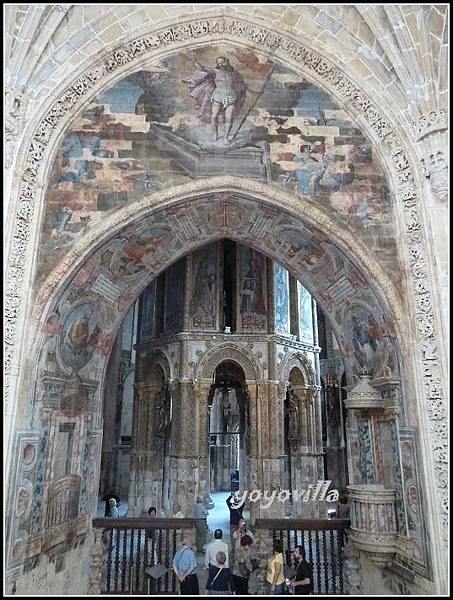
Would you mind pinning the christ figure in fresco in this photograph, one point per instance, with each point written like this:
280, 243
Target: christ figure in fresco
220, 94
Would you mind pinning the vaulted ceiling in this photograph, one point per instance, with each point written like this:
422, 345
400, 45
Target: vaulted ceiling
399, 51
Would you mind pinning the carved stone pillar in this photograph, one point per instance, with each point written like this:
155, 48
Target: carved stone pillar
146, 466
202, 391
352, 570
264, 551
94, 582
184, 465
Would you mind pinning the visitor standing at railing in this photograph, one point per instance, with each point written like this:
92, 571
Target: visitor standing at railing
106, 499
113, 508
302, 583
274, 576
184, 565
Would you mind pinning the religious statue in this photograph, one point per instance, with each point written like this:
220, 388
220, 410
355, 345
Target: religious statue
293, 415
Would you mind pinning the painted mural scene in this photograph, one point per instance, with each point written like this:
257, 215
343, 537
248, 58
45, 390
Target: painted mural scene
211, 112
224, 355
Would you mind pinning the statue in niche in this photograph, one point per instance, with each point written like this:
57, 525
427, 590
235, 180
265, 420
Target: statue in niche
162, 414
332, 406
226, 408
292, 409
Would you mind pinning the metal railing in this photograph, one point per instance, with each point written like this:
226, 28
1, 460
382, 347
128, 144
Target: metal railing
134, 545
323, 541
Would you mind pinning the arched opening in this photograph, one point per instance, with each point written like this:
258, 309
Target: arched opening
71, 378
186, 439
228, 428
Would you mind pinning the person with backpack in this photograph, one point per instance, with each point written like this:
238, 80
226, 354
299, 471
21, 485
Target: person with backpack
242, 566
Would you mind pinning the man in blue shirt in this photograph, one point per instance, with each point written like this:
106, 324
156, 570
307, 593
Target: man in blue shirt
184, 565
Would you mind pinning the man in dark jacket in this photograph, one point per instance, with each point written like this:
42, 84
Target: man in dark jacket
303, 581
235, 517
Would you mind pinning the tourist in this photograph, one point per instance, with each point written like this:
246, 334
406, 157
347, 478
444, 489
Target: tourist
220, 579
106, 499
302, 583
235, 517
113, 508
214, 547
240, 532
184, 565
242, 566
274, 576
200, 514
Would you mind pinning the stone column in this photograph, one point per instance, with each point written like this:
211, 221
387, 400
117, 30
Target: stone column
97, 550
202, 391
146, 468
184, 468
264, 551
273, 449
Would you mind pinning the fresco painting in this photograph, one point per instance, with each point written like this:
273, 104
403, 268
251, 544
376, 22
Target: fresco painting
371, 343
147, 308
81, 335
116, 274
281, 294
252, 288
216, 110
203, 303
173, 297
305, 314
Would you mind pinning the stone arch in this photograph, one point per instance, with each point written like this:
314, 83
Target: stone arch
399, 162
226, 188
246, 360
159, 359
299, 361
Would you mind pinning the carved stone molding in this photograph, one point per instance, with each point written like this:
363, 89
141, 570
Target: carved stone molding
435, 168
300, 361
244, 358
15, 108
435, 120
311, 63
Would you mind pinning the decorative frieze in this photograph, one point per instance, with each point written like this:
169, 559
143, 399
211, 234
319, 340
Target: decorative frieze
436, 120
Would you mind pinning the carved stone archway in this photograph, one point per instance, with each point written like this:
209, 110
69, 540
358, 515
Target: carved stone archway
241, 356
399, 161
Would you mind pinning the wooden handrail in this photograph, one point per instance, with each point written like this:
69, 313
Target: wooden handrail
303, 524
142, 523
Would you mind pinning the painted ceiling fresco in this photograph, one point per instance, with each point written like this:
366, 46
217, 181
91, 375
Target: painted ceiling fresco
218, 110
